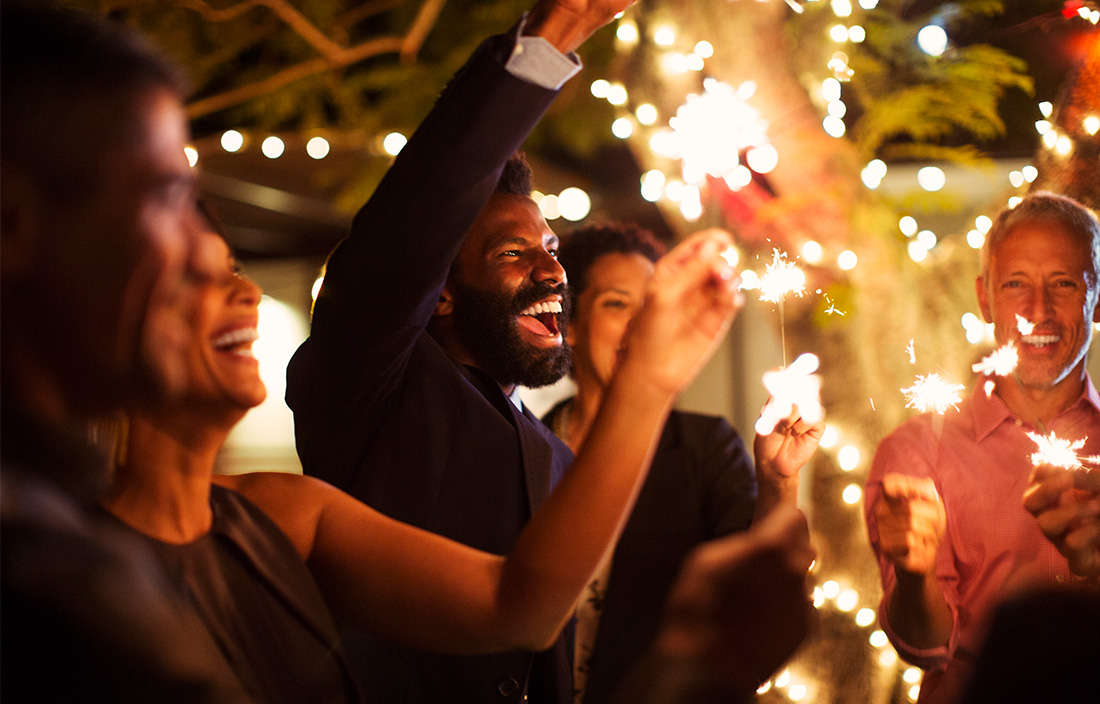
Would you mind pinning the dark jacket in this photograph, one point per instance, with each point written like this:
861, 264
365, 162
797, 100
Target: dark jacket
382, 411
701, 486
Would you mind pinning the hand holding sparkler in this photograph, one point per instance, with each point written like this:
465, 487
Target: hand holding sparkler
788, 432
1066, 503
911, 522
796, 386
690, 301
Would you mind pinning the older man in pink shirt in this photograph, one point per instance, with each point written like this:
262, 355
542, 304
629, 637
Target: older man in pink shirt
944, 499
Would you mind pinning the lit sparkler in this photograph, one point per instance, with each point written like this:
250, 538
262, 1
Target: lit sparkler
780, 278
1001, 362
796, 385
1059, 452
932, 393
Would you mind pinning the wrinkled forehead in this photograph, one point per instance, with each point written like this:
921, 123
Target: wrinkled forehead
1048, 243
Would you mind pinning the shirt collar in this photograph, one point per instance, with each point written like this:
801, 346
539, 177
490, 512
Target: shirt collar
515, 399
988, 411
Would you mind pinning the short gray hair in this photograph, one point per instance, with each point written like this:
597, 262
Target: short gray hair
1044, 205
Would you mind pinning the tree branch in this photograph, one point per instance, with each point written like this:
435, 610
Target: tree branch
334, 55
422, 25
367, 9
293, 19
229, 98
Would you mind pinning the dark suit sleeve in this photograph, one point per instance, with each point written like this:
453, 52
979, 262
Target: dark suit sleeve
727, 472
383, 281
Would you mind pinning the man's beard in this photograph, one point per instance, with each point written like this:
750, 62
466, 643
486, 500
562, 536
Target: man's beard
486, 325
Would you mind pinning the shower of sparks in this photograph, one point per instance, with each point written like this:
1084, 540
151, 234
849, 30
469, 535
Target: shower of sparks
1024, 325
832, 309
932, 393
1059, 452
1001, 362
780, 278
796, 385
912, 352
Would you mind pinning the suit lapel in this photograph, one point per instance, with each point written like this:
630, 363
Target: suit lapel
538, 456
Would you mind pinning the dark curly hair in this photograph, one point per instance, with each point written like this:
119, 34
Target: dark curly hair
515, 179
581, 248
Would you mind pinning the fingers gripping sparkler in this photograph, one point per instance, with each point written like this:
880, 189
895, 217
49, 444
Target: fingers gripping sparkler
796, 385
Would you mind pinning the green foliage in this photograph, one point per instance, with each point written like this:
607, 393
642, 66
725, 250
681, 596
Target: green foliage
912, 105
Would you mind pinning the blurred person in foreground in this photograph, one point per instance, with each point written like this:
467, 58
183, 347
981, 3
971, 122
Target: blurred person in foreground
99, 243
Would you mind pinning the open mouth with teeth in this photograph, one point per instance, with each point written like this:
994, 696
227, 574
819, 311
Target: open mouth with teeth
1039, 340
238, 342
542, 318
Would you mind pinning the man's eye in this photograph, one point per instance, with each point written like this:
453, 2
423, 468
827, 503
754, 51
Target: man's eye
553, 253
614, 304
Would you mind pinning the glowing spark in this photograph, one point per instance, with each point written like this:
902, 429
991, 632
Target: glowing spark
1056, 451
780, 278
731, 256
797, 385
911, 352
832, 309
711, 130
872, 404
1001, 362
932, 393
989, 386
1023, 325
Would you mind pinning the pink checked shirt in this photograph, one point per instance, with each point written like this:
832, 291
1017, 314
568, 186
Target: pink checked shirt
980, 458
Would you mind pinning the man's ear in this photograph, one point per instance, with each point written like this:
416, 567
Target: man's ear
983, 298
19, 222
445, 306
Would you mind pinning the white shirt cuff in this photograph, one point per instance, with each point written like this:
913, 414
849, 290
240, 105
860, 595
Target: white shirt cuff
537, 61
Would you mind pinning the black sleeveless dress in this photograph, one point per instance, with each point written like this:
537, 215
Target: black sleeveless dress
261, 606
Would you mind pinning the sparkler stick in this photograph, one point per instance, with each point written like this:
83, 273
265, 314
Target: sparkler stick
780, 278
